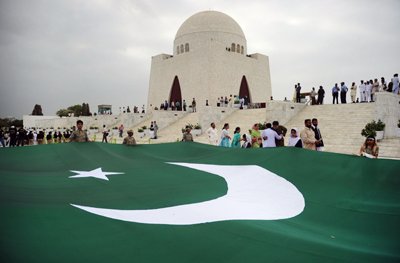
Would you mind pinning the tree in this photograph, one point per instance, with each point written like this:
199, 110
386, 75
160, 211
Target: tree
86, 110
37, 110
8, 122
63, 113
76, 110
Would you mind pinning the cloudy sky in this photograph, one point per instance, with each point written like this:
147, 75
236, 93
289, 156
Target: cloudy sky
58, 53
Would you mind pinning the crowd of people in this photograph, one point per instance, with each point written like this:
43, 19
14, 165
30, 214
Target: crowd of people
177, 105
220, 102
14, 137
366, 91
265, 135
269, 135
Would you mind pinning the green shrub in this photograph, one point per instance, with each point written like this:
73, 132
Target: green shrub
371, 128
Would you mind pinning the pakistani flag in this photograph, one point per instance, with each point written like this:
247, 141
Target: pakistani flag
188, 202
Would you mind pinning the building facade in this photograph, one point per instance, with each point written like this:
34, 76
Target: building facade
209, 60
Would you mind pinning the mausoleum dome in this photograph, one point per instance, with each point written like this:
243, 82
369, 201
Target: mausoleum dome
200, 29
209, 21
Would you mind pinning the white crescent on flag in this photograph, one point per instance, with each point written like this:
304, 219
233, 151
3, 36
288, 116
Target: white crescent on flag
254, 193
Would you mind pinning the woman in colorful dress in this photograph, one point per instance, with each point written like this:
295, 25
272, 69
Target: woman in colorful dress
225, 136
255, 135
236, 138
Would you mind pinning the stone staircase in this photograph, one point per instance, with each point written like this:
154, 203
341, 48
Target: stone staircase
389, 148
173, 132
340, 126
244, 119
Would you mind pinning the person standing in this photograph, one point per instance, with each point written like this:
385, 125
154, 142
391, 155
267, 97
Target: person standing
307, 136
40, 137
21, 137
320, 143
194, 105
105, 134
121, 130
13, 136
298, 90
353, 92
280, 130
2, 138
383, 86
269, 136
368, 91
212, 134
375, 88
335, 94
321, 95
129, 140
294, 139
313, 94
225, 136
343, 93
184, 105
255, 135
246, 141
362, 92
155, 128
236, 138
79, 135
395, 81
187, 136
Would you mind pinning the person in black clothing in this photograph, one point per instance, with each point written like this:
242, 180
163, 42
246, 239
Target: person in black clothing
49, 138
59, 137
13, 136
321, 95
298, 89
40, 137
318, 135
30, 138
2, 138
21, 137
66, 135
105, 134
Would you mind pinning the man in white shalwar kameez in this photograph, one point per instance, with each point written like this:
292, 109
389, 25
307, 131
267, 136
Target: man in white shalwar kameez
362, 91
212, 134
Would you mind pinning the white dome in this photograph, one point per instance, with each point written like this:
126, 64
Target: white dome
210, 21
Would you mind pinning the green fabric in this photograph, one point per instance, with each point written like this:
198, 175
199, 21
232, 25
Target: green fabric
352, 208
235, 140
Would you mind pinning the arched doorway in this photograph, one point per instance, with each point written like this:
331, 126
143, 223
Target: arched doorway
175, 94
244, 90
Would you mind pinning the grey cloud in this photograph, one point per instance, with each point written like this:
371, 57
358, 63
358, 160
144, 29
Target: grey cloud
59, 53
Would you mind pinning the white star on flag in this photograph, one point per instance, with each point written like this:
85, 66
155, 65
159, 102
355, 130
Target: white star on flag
96, 173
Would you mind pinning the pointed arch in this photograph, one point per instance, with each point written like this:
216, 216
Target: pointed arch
175, 94
244, 89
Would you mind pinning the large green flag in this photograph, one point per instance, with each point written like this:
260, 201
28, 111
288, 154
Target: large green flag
189, 202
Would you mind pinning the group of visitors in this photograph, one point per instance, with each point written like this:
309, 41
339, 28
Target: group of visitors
270, 135
154, 129
233, 99
14, 137
367, 90
177, 105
